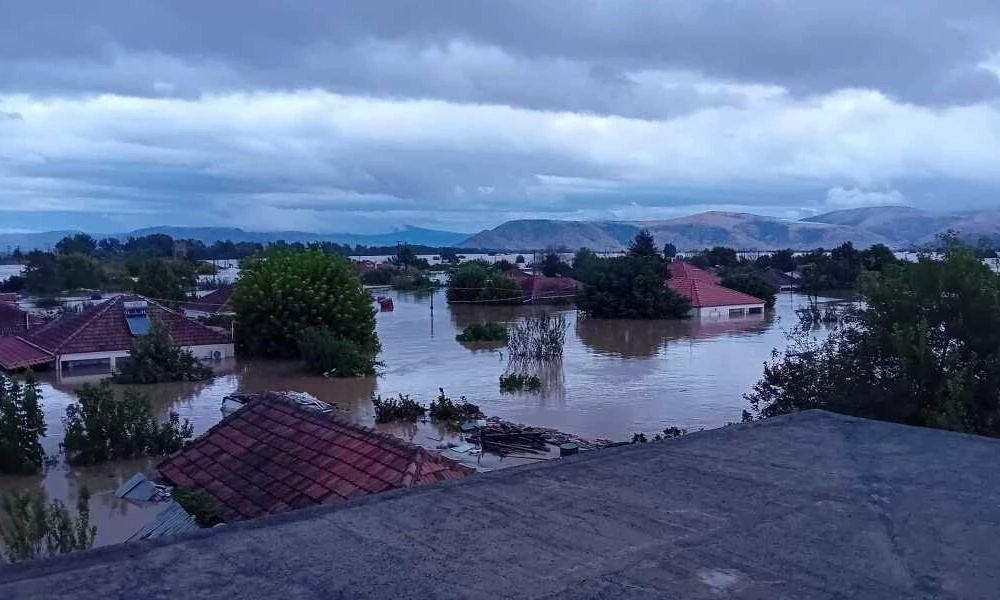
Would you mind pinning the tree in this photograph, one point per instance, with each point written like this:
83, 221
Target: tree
22, 424
721, 256
669, 251
79, 271
31, 529
405, 256
922, 349
100, 428
110, 247
751, 282
629, 287
519, 259
156, 359
164, 280
326, 353
783, 260
475, 281
41, 273
80, 243
552, 265
643, 245
281, 293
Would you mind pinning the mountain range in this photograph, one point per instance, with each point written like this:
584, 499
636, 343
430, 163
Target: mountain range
895, 226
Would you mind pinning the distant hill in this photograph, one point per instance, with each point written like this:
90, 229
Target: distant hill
895, 226
208, 235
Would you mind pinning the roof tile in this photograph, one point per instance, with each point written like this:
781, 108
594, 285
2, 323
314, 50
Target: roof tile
327, 460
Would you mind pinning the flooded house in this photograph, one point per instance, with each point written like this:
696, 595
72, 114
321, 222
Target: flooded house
275, 454
215, 302
709, 298
13, 319
94, 340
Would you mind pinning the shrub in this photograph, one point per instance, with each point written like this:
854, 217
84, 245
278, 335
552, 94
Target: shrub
750, 282
445, 409
378, 277
490, 331
516, 382
199, 504
282, 293
325, 352
478, 282
31, 529
392, 409
156, 359
537, 338
100, 428
21, 425
409, 282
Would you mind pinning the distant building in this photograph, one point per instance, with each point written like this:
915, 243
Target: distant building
273, 455
101, 335
14, 321
213, 303
541, 289
709, 299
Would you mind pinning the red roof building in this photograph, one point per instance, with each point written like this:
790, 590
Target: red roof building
14, 321
708, 298
273, 455
101, 334
214, 302
541, 289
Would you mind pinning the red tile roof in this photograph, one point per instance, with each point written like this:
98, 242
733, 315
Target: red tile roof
273, 455
704, 293
102, 328
215, 301
16, 353
540, 288
680, 269
14, 321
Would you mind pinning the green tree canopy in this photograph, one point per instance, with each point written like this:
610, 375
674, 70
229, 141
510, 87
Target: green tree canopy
283, 292
79, 243
156, 359
629, 287
750, 282
22, 424
923, 349
475, 281
669, 251
165, 280
643, 245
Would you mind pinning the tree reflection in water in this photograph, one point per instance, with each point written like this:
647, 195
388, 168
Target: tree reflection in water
628, 338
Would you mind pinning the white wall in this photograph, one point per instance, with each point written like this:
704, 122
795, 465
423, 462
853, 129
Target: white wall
207, 352
721, 313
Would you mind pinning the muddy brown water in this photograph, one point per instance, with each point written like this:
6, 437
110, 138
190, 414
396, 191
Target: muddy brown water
615, 378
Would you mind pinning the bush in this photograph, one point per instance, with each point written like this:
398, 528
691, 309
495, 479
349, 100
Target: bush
397, 409
221, 320
478, 282
516, 382
378, 277
199, 504
100, 428
922, 349
31, 529
410, 282
445, 409
537, 338
21, 425
325, 352
490, 331
156, 359
286, 291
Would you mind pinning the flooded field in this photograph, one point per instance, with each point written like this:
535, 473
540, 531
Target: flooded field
616, 378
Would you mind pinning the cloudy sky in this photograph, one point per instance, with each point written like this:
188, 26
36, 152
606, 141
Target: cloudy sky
361, 116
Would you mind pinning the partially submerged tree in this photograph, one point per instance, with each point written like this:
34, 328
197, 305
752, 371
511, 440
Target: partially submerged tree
923, 349
30, 528
475, 281
156, 359
22, 424
100, 428
749, 281
326, 353
284, 292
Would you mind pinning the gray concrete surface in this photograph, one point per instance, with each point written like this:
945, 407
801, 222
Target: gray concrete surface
813, 505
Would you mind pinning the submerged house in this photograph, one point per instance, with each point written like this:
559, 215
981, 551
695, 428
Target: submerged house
215, 302
100, 336
542, 289
709, 299
274, 455
15, 321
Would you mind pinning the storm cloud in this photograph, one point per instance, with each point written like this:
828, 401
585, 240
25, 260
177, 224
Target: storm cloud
364, 115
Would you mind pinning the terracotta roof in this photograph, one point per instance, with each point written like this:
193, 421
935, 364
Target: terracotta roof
14, 321
102, 328
273, 455
17, 353
680, 269
704, 293
215, 301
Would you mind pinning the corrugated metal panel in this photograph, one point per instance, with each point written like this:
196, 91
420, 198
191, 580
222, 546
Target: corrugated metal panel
138, 487
172, 520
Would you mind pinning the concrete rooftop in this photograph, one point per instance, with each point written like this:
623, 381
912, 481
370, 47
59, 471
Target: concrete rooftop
814, 505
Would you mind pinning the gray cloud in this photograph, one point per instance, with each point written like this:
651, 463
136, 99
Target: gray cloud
532, 53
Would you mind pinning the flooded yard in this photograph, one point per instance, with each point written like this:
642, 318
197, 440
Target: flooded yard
615, 378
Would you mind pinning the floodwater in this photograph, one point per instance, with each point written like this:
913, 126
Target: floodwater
615, 378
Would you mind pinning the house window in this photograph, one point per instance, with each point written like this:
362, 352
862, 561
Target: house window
755, 310
735, 313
